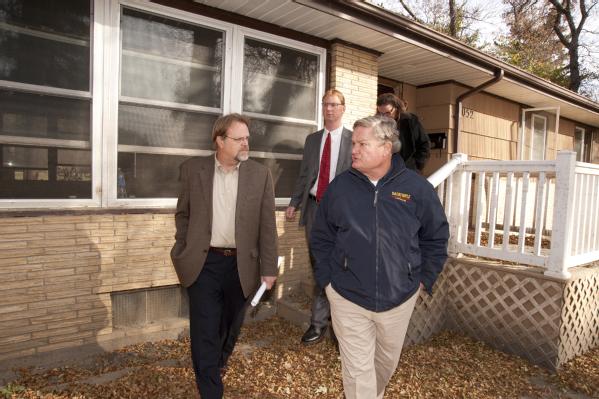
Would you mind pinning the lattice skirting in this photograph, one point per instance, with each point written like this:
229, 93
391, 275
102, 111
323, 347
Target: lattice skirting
579, 330
429, 314
545, 320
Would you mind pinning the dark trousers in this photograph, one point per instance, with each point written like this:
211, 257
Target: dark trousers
216, 305
321, 311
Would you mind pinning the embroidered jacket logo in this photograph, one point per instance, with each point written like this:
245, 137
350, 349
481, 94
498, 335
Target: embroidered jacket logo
401, 196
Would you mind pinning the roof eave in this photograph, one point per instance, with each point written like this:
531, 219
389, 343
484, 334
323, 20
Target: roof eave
360, 11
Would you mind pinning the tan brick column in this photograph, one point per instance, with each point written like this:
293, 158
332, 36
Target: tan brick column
354, 72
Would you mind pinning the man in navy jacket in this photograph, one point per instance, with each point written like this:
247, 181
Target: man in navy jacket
379, 236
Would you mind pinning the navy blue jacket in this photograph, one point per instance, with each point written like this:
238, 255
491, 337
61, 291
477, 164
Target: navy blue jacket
375, 245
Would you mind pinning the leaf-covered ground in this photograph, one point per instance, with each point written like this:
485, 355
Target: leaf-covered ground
269, 363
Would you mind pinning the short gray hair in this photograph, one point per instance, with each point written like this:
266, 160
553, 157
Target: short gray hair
383, 128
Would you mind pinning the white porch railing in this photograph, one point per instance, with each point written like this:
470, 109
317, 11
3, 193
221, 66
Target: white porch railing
540, 213
584, 237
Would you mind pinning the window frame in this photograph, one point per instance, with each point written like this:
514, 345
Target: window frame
104, 97
241, 33
582, 131
93, 96
112, 147
586, 143
231, 101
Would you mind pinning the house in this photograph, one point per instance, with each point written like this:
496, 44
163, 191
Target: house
100, 101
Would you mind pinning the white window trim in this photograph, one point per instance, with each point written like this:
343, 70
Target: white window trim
232, 94
582, 130
169, 105
43, 35
111, 141
38, 89
44, 142
240, 34
522, 136
95, 76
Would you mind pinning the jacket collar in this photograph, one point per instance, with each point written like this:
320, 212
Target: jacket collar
398, 166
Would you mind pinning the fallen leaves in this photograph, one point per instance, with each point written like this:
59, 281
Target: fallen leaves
582, 374
269, 363
529, 240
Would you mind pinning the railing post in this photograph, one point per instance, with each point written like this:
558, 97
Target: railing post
561, 235
458, 196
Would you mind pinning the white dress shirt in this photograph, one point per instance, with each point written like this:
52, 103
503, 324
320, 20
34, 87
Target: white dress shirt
335, 147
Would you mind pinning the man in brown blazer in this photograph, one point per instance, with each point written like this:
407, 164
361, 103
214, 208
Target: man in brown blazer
226, 244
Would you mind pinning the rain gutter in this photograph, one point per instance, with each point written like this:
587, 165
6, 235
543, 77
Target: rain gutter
457, 117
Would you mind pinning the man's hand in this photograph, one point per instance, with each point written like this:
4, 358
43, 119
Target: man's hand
422, 287
269, 280
290, 213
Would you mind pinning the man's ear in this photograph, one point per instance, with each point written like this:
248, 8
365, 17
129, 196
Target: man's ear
389, 147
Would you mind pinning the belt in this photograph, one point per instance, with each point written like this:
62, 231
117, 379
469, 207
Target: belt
224, 251
313, 197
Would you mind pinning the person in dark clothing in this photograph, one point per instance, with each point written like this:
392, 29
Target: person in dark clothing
316, 171
415, 144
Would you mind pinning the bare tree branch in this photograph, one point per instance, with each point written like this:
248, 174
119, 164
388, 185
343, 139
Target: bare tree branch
409, 11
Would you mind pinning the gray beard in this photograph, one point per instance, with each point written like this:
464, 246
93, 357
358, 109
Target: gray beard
241, 157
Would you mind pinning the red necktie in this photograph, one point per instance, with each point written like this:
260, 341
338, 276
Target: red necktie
325, 168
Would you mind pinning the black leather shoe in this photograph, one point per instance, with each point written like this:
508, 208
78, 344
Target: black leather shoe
313, 335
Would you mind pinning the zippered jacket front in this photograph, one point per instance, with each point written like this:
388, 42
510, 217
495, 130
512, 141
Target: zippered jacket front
376, 244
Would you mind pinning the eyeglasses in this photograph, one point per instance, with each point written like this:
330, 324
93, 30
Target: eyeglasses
331, 105
239, 139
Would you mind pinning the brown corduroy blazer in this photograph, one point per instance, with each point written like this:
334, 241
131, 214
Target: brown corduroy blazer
255, 225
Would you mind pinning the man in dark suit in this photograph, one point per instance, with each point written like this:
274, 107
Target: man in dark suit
226, 243
327, 153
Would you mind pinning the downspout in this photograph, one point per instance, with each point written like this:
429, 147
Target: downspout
457, 120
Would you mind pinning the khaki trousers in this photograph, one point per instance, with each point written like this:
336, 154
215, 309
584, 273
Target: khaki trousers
370, 343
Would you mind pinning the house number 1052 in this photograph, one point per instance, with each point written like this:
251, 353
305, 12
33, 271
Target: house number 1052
468, 113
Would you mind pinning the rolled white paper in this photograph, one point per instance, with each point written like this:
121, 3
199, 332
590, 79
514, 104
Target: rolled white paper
259, 294
262, 288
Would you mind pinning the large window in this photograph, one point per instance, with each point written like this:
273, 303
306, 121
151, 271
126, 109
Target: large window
178, 73
170, 95
45, 100
161, 77
280, 93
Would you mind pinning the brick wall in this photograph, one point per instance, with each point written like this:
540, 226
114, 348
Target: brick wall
57, 274
293, 249
354, 73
